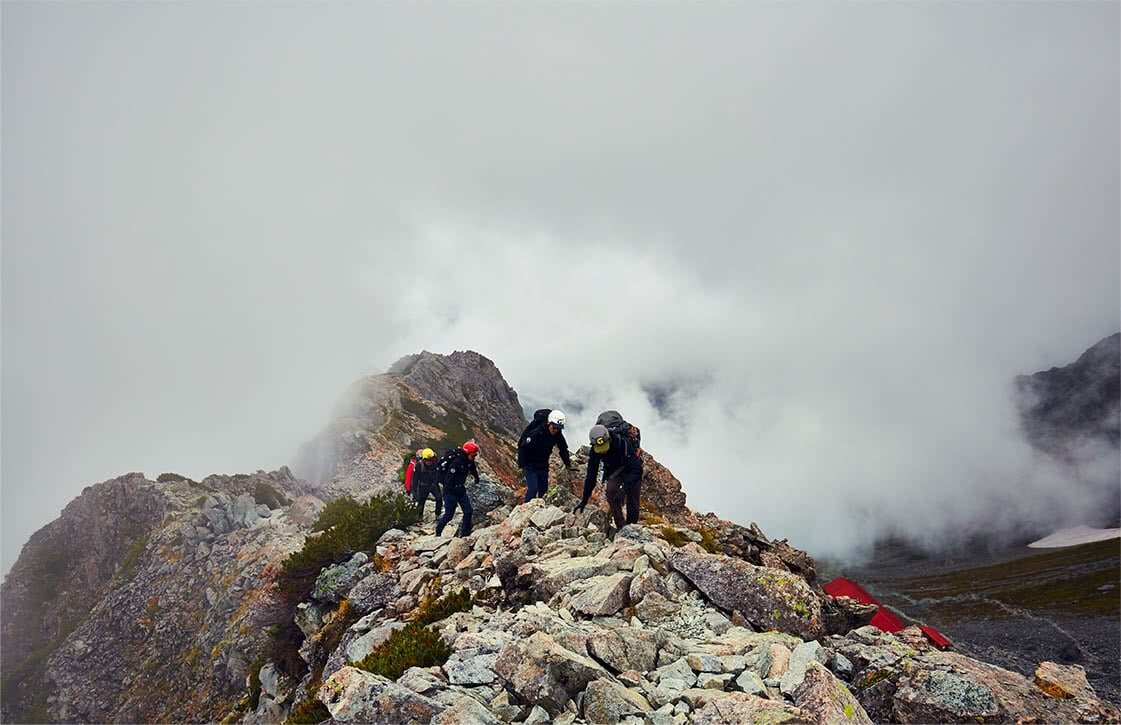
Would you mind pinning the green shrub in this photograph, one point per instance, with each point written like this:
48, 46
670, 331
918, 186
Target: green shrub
433, 610
348, 527
307, 712
412, 646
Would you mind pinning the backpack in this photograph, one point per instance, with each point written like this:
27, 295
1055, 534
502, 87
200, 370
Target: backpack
446, 459
614, 423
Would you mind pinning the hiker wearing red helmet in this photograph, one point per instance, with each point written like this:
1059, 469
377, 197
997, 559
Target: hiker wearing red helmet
454, 467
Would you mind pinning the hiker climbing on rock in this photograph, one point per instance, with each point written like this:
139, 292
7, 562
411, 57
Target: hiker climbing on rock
426, 480
615, 444
454, 467
535, 446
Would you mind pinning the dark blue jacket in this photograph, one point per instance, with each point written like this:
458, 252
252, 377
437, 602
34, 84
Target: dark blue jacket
537, 444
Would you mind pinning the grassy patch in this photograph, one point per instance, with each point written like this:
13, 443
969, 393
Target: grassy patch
412, 646
674, 537
1067, 580
127, 568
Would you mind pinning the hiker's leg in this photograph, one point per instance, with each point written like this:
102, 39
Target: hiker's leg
633, 499
439, 496
449, 511
465, 504
531, 482
543, 482
614, 494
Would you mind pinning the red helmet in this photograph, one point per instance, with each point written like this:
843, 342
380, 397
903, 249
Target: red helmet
470, 448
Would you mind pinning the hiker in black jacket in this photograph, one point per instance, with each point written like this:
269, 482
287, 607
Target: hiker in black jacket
426, 480
536, 445
454, 470
622, 469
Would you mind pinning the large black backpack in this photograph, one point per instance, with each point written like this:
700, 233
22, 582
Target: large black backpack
614, 422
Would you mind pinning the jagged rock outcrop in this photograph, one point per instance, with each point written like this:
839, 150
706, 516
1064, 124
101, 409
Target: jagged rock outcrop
425, 400
145, 601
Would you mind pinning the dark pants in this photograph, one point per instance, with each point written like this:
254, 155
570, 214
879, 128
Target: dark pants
451, 500
536, 482
619, 489
422, 492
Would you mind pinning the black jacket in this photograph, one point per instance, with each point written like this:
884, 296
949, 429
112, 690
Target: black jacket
621, 455
454, 471
537, 444
425, 476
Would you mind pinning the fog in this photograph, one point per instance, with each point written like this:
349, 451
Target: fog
828, 236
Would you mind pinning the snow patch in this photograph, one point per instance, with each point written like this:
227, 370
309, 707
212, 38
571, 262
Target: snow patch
1074, 537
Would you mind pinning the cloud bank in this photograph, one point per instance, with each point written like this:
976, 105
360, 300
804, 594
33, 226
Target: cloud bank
827, 238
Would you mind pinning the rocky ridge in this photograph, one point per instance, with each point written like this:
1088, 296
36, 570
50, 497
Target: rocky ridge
568, 625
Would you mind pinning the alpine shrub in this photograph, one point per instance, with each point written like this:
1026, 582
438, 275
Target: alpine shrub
414, 645
348, 526
433, 610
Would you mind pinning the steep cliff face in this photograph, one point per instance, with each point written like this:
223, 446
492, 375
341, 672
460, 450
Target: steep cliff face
143, 601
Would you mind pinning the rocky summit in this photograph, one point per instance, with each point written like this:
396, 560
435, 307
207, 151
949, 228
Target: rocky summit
245, 599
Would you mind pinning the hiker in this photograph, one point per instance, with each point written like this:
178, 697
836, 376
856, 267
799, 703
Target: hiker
622, 469
410, 468
454, 468
426, 477
536, 445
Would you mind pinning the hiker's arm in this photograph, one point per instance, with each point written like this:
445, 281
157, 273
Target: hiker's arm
590, 478
562, 444
474, 471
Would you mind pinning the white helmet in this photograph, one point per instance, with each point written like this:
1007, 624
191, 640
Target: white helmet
557, 418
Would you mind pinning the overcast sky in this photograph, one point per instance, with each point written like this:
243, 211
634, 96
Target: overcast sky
837, 231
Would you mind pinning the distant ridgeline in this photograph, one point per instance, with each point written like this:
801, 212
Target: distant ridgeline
275, 597
1074, 412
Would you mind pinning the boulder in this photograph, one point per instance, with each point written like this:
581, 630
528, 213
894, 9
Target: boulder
646, 581
1065, 681
609, 702
826, 698
354, 695
938, 696
624, 649
768, 598
751, 683
547, 517
375, 591
739, 707
553, 575
602, 596
335, 582
470, 667
800, 659
460, 709
542, 672
305, 510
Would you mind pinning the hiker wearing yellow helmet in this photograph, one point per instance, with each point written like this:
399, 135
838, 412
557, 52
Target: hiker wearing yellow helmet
426, 481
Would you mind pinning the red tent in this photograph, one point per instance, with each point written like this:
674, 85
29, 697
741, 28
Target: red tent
884, 620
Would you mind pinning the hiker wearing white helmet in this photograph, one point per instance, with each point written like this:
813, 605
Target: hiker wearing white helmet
536, 445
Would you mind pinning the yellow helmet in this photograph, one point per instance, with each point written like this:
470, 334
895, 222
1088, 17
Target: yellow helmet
428, 453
